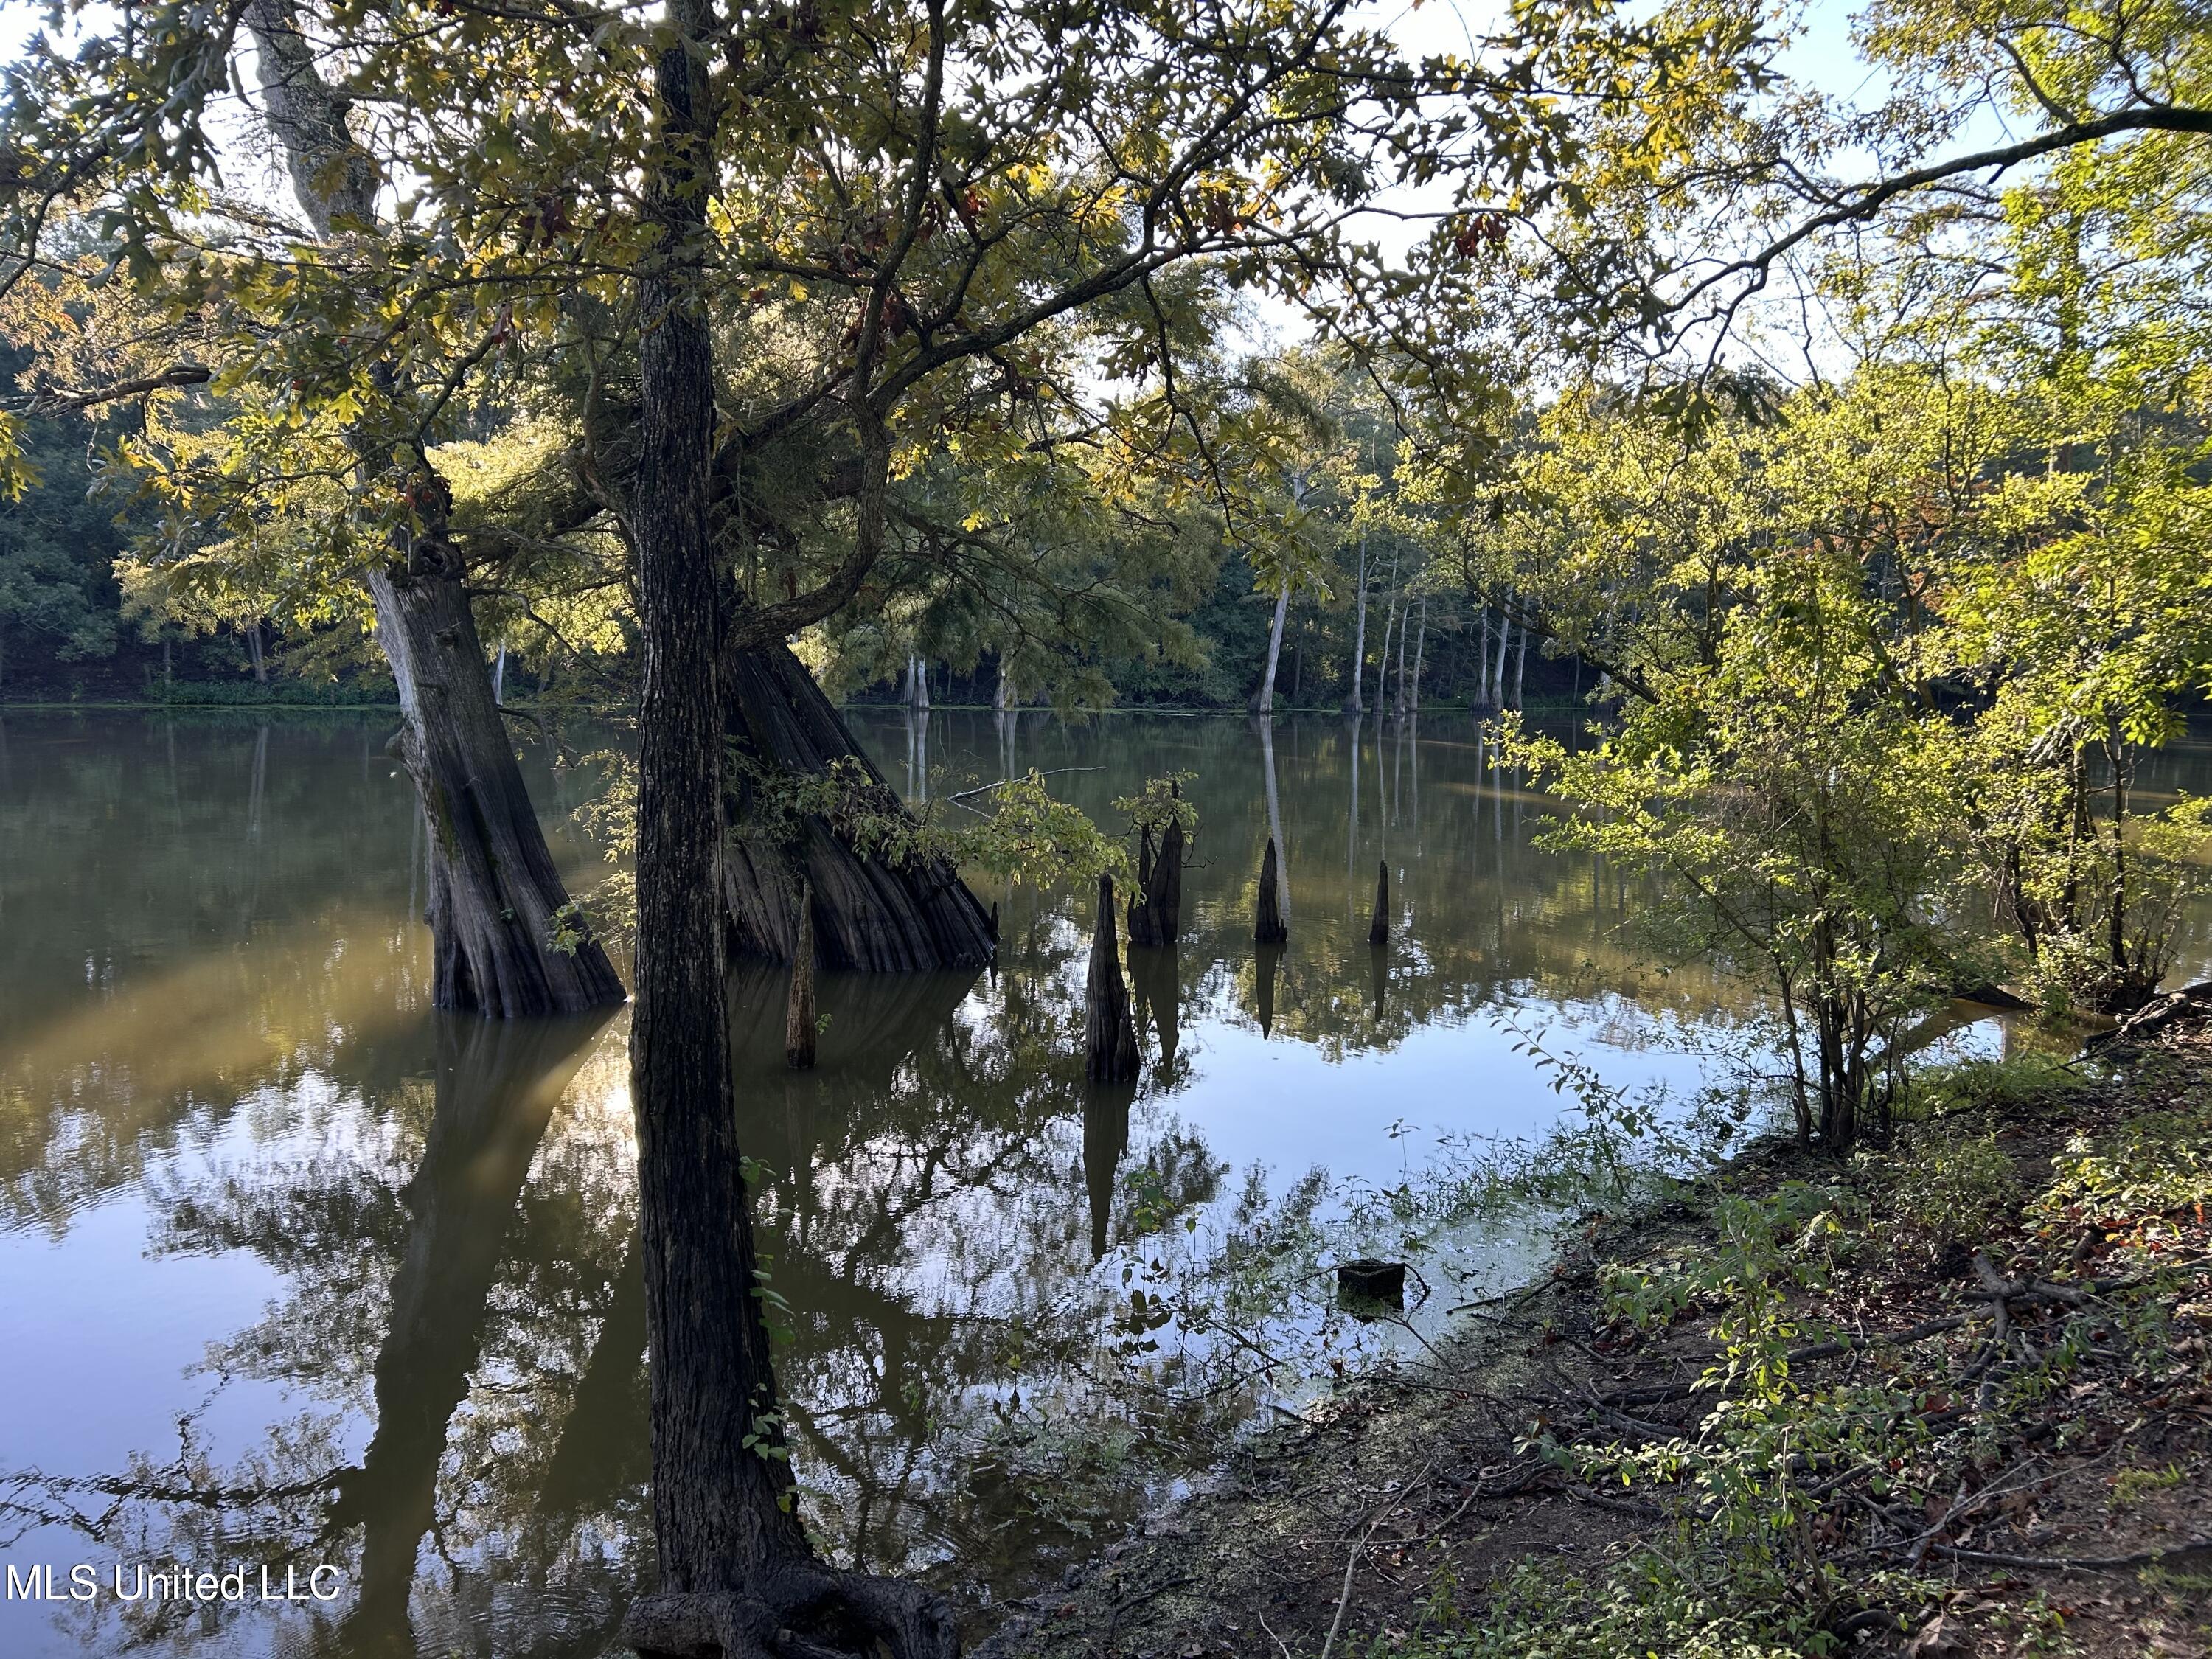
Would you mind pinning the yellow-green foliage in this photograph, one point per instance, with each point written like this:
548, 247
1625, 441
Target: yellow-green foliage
2156, 1165
1941, 1189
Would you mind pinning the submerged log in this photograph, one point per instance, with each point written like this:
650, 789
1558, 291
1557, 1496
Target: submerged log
1378, 929
1110, 1036
798, 1012
1269, 927
1269, 957
873, 914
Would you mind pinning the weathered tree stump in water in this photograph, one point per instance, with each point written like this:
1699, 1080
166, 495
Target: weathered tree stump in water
1144, 920
1269, 928
1110, 1036
798, 1012
1379, 929
1164, 892
1368, 1281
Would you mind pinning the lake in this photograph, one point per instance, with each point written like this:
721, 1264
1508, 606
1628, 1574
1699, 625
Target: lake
295, 1271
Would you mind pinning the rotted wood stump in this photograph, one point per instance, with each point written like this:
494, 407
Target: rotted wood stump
1163, 893
1269, 928
798, 1012
1143, 920
1109, 1035
1370, 1283
1379, 929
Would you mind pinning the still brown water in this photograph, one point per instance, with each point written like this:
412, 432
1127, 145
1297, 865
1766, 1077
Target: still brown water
295, 1271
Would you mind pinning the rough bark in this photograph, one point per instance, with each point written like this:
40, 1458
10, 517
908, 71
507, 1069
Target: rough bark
1378, 928
798, 1008
872, 914
1109, 1035
1269, 926
494, 889
738, 1576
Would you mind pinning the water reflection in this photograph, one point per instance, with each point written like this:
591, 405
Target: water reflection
313, 1274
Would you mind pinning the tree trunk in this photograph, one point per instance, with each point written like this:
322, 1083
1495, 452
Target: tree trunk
1269, 926
1264, 702
493, 890
1405, 627
736, 1566
1420, 648
253, 652
1498, 661
1382, 657
871, 915
1482, 658
1519, 666
1355, 700
1002, 693
1110, 1036
1378, 929
495, 899
798, 1009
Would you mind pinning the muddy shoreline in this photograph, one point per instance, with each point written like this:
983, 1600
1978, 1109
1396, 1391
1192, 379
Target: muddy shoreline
1391, 1506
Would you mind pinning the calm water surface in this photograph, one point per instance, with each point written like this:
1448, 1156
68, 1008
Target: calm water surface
295, 1271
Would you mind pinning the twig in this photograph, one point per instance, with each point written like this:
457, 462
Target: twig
2076, 1562
986, 789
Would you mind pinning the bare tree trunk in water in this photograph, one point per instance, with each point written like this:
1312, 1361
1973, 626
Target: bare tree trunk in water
869, 914
1355, 700
1497, 660
1263, 701
1482, 658
1420, 647
1002, 694
1382, 657
1405, 627
494, 892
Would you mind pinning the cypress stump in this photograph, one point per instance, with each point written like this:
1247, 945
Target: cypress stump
1109, 1035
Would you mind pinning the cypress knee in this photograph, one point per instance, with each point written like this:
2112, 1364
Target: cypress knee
1110, 1036
1379, 929
1269, 929
1143, 929
798, 1012
1166, 891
